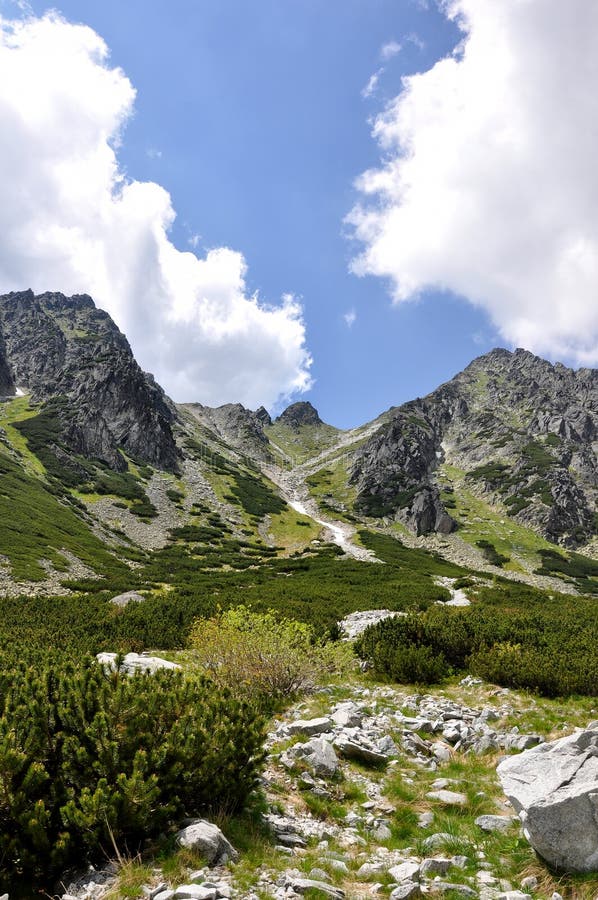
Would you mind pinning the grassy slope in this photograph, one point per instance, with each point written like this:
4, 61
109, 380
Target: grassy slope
37, 525
303, 444
478, 520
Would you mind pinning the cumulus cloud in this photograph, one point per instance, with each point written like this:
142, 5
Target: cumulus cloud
488, 187
350, 318
71, 220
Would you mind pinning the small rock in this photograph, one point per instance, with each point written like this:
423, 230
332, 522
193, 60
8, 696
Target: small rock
407, 871
319, 875
406, 890
194, 892
302, 885
348, 715
309, 726
435, 866
382, 833
445, 886
530, 883
370, 869
494, 823
437, 840
352, 749
449, 798
514, 895
208, 840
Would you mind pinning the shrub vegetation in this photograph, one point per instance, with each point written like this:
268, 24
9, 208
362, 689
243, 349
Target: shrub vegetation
89, 758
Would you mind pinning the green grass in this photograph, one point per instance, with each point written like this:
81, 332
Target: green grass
37, 524
19, 410
292, 530
304, 443
479, 521
331, 490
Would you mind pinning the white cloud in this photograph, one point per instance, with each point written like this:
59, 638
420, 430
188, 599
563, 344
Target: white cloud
350, 318
71, 221
372, 84
489, 184
414, 38
153, 153
390, 49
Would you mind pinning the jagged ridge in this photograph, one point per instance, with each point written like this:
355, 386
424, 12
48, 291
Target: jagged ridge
63, 347
522, 428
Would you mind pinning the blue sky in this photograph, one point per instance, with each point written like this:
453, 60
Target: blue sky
251, 114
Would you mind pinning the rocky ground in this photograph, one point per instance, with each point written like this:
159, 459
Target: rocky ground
375, 791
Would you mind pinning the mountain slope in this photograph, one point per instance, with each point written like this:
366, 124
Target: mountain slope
64, 349
493, 463
522, 430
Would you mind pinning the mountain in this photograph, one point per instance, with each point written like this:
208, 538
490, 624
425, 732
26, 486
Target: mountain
66, 351
518, 430
98, 465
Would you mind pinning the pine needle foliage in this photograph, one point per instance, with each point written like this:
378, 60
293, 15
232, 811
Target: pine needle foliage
90, 758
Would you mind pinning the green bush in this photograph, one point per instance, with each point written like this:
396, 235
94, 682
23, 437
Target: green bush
417, 665
491, 553
264, 656
89, 757
514, 636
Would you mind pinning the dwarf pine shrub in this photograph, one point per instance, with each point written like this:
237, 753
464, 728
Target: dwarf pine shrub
89, 758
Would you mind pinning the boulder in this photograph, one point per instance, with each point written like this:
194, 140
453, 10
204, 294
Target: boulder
352, 749
309, 726
123, 600
554, 788
208, 840
136, 662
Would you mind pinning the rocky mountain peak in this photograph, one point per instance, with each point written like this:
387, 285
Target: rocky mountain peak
298, 414
520, 429
64, 349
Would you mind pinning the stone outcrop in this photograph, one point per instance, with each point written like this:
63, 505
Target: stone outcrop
136, 662
554, 789
298, 414
64, 348
523, 430
240, 428
7, 385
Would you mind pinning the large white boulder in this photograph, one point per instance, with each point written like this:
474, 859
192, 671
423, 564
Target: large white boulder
136, 662
554, 788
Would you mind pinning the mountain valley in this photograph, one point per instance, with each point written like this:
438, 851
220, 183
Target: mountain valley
461, 527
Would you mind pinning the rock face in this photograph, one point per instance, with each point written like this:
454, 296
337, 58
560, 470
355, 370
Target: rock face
554, 788
239, 427
63, 348
7, 386
522, 430
298, 414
